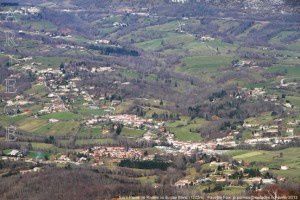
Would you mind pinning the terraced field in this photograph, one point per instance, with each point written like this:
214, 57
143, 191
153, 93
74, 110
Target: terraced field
274, 160
186, 130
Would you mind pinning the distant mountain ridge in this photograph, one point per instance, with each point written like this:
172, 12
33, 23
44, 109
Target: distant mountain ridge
287, 5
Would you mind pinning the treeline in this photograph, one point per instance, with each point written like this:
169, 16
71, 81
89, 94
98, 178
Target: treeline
230, 108
165, 116
5, 4
145, 164
74, 184
4, 73
241, 28
108, 50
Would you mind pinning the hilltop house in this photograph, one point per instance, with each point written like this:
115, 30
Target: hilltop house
290, 131
53, 120
284, 167
183, 183
252, 181
179, 1
15, 153
203, 180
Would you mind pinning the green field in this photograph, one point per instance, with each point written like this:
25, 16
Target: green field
58, 129
290, 157
41, 25
282, 35
52, 62
61, 116
204, 64
186, 130
147, 179
132, 133
88, 112
291, 71
38, 90
93, 132
295, 100
31, 124
150, 45
95, 141
248, 155
264, 118
45, 147
39, 155
42, 127
11, 120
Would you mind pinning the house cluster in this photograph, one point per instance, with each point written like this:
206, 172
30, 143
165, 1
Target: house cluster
179, 1
119, 24
256, 92
270, 134
25, 59
245, 93
207, 38
262, 130
130, 120
102, 41
56, 103
168, 150
125, 119
52, 108
188, 148
276, 129
30, 10
62, 36
35, 169
227, 141
19, 100
67, 46
97, 69
273, 141
233, 173
245, 63
141, 14
15, 153
68, 158
22, 11
101, 69
49, 73
284, 83
261, 93
51, 78
115, 152
66, 89
261, 134
62, 90
94, 121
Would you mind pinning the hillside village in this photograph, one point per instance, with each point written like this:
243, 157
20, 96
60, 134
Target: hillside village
140, 100
231, 173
